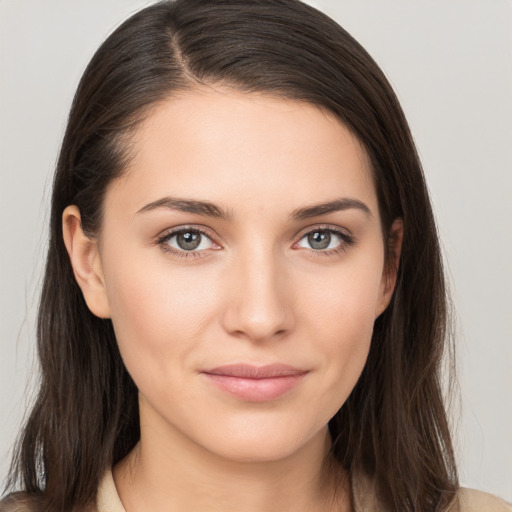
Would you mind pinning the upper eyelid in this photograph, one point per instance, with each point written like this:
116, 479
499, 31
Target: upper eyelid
323, 227
169, 232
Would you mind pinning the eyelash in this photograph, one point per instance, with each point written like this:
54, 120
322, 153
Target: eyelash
346, 241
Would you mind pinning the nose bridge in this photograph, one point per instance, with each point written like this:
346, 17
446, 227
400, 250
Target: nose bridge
259, 307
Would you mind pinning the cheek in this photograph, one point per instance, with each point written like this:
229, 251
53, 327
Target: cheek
158, 314
343, 301
344, 328
340, 309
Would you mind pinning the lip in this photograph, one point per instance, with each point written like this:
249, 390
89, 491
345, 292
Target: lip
255, 383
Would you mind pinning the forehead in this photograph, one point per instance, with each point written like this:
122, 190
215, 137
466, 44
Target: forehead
253, 149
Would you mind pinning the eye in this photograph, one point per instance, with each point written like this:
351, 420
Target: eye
186, 240
324, 239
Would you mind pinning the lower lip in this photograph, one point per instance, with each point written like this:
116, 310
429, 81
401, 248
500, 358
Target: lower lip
255, 390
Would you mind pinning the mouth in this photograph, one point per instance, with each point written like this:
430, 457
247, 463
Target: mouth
255, 383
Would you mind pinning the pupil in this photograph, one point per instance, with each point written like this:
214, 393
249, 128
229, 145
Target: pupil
188, 240
319, 239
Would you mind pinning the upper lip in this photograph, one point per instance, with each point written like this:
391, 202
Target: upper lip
248, 371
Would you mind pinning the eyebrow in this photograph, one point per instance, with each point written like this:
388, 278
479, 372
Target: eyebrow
209, 209
189, 206
345, 203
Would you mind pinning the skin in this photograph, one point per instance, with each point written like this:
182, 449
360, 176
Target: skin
255, 291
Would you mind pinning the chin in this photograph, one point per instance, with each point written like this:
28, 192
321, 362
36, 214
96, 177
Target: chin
260, 453
264, 445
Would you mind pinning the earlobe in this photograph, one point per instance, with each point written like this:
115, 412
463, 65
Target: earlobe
389, 276
85, 259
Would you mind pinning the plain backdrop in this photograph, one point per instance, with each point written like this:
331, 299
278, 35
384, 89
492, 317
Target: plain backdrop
451, 65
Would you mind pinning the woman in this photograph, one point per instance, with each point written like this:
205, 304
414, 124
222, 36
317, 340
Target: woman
233, 315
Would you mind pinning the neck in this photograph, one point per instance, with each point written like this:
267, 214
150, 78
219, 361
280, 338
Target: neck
178, 475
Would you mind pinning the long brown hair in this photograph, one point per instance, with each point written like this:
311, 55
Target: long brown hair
85, 419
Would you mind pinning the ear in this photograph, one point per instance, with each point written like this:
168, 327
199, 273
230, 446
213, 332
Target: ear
389, 274
86, 262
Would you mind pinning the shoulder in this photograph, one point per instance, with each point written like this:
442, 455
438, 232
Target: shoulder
471, 500
366, 499
19, 502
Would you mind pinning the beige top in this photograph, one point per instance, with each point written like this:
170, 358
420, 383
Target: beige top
469, 500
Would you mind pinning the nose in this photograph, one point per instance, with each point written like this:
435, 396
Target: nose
259, 306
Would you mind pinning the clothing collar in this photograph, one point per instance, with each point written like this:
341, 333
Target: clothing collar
365, 496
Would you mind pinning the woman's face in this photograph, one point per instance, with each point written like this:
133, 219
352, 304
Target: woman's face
242, 261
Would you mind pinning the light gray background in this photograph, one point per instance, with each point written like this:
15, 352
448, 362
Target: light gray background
451, 65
